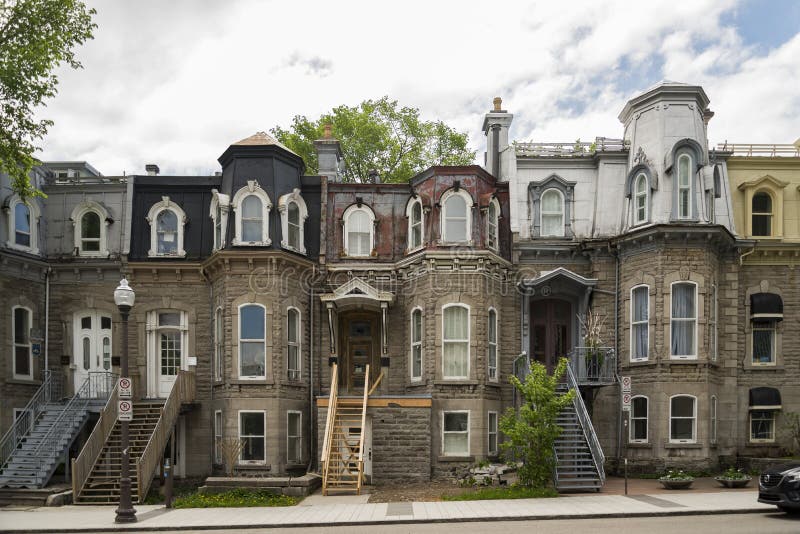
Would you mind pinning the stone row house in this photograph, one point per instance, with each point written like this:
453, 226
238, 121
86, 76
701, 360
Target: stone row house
260, 281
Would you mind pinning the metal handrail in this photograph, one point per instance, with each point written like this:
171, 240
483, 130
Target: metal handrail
22, 426
328, 436
96, 382
82, 465
593, 365
586, 424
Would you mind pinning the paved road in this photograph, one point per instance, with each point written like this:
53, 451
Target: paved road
771, 523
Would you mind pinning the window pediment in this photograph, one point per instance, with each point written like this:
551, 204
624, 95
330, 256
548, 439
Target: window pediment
687, 144
766, 181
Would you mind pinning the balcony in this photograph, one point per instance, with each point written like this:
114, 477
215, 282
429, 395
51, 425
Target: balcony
593, 366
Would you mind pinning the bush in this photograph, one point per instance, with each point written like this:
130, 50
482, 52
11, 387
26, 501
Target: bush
238, 498
510, 492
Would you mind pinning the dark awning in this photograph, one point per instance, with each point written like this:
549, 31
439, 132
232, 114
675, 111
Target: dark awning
765, 398
767, 305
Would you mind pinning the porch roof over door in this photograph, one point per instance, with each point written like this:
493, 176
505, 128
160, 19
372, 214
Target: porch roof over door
546, 277
358, 294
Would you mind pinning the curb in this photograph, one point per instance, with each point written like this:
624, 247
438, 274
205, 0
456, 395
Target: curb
554, 517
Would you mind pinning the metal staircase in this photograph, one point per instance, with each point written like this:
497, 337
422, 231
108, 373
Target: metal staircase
39, 441
343, 446
579, 457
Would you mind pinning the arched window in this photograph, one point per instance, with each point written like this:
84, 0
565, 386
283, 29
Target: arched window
638, 425
90, 232
713, 418
640, 323
293, 343
359, 231
23, 219
492, 217
166, 220
456, 217
640, 199
455, 341
416, 344
23, 356
90, 220
683, 323
294, 213
762, 214
552, 213
219, 343
252, 341
252, 205
415, 226
220, 204
682, 419
684, 186
492, 344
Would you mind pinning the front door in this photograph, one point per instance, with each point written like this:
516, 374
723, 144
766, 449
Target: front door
550, 330
360, 344
167, 338
92, 347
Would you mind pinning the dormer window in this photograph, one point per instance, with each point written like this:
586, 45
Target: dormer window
415, 224
492, 219
684, 186
294, 213
552, 213
167, 220
359, 231
219, 216
23, 219
763, 207
22, 225
762, 215
456, 217
90, 220
252, 205
551, 207
640, 199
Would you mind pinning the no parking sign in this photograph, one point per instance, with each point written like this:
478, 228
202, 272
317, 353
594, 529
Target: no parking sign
626, 402
125, 409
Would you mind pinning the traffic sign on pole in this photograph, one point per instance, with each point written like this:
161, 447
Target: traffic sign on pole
626, 384
125, 409
626, 402
125, 388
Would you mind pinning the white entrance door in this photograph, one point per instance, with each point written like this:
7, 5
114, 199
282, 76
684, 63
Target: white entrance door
166, 351
92, 348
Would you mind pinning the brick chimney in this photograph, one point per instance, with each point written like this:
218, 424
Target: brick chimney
329, 155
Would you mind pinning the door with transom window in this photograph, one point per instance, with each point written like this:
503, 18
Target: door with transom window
166, 348
360, 349
92, 346
550, 330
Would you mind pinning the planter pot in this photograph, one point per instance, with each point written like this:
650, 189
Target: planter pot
733, 482
676, 484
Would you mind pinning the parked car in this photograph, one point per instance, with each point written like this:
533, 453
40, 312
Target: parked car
781, 486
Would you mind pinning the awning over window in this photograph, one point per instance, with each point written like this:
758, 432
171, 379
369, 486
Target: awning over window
765, 399
766, 305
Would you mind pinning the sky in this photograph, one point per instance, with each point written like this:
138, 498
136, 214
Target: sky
175, 82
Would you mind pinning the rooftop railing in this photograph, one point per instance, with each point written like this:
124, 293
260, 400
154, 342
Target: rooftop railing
764, 150
570, 150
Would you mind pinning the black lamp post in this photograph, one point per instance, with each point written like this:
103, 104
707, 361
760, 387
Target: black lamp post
124, 298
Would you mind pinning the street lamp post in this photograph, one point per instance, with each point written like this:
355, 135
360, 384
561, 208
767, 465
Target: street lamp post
124, 298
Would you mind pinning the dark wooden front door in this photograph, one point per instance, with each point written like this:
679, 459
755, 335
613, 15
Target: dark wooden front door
550, 330
359, 349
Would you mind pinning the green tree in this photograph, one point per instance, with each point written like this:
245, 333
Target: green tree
379, 135
531, 432
36, 36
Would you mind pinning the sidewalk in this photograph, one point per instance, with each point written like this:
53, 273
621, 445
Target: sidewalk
354, 511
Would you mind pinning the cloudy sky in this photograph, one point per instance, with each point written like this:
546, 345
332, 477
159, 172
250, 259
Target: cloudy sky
175, 82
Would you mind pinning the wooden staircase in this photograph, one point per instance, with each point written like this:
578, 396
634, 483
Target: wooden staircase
102, 485
343, 445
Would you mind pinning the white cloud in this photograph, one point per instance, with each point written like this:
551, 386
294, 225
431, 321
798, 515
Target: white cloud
175, 82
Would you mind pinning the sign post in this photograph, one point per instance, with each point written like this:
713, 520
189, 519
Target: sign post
125, 408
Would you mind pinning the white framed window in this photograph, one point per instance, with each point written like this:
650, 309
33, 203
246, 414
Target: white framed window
685, 186
252, 341
220, 205
640, 199
683, 419
764, 341
167, 344
552, 213
640, 323
714, 320
90, 220
294, 437
293, 355
492, 433
23, 355
219, 343
294, 213
23, 225
683, 320
713, 418
762, 214
492, 225
170, 342
218, 437
455, 341
359, 231
167, 221
253, 434
415, 216
762, 426
492, 345
456, 216
455, 433
252, 206
639, 419
416, 344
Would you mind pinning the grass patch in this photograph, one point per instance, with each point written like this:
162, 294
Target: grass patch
509, 492
237, 498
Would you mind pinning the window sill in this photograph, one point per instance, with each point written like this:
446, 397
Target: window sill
763, 367
640, 445
253, 382
455, 382
262, 466
641, 363
24, 381
469, 459
695, 445
762, 444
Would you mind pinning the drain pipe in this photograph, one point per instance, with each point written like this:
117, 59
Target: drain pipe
47, 319
616, 352
311, 441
